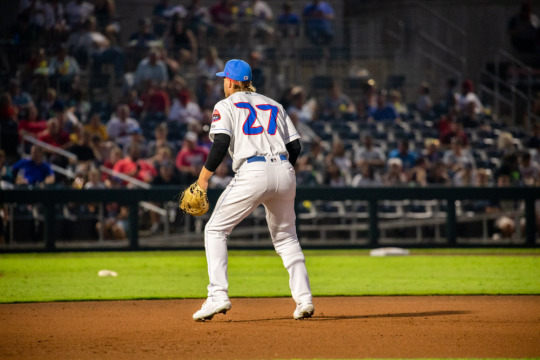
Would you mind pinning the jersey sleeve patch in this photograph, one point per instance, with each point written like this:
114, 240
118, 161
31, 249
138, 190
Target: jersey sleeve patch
216, 115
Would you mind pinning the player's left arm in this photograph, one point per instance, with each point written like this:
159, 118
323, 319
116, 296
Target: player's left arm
215, 157
293, 148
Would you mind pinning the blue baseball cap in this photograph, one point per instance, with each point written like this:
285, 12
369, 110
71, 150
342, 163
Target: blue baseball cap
238, 70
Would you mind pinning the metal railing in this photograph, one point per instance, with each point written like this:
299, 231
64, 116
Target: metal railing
51, 198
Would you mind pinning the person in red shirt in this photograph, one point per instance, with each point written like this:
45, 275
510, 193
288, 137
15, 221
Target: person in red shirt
135, 167
54, 135
191, 157
155, 100
32, 125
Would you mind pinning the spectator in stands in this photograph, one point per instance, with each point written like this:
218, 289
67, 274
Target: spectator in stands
54, 135
151, 68
370, 155
101, 50
47, 103
223, 15
510, 168
341, 158
78, 11
63, 69
32, 125
94, 180
104, 11
191, 157
96, 128
418, 173
119, 124
313, 162
258, 15
467, 100
407, 157
198, 19
210, 64
136, 137
396, 100
161, 22
438, 175
505, 143
34, 10
395, 176
21, 99
155, 100
160, 140
288, 22
367, 177
524, 30
454, 130
221, 177
114, 155
317, 19
184, 109
334, 177
305, 111
424, 104
182, 43
484, 177
257, 71
66, 118
167, 175
8, 111
142, 40
83, 149
530, 170
431, 151
115, 225
132, 165
337, 105
134, 103
458, 158
466, 176
33, 171
384, 111
162, 156
55, 21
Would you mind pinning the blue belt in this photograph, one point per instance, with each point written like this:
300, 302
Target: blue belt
262, 158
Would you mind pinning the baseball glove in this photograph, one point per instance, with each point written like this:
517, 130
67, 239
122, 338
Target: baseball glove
194, 200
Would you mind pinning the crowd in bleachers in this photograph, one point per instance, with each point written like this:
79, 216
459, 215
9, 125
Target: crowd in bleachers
157, 132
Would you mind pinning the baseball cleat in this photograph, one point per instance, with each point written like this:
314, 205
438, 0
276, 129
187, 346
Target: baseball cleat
303, 311
211, 308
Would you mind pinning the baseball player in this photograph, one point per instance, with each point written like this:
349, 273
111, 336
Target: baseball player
264, 146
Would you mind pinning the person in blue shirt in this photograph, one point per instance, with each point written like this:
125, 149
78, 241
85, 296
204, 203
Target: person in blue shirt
33, 171
408, 158
317, 16
288, 22
385, 111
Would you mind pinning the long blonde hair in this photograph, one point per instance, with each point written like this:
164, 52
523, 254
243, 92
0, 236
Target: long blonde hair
244, 86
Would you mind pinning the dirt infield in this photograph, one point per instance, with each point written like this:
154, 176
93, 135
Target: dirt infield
343, 327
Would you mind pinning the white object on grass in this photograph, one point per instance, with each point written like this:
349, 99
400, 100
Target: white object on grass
107, 273
389, 251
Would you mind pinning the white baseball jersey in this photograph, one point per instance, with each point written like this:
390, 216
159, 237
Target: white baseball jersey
257, 125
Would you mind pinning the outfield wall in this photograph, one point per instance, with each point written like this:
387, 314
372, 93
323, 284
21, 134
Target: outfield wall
327, 217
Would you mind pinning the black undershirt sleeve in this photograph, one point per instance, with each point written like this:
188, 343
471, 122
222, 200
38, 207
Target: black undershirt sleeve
293, 148
217, 151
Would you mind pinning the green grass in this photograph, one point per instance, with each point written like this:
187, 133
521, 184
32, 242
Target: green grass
161, 275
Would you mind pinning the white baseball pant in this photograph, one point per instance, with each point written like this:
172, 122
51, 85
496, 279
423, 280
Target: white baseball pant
271, 182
